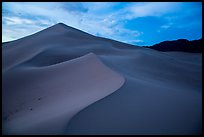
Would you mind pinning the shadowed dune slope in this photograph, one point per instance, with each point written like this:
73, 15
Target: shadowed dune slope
65, 81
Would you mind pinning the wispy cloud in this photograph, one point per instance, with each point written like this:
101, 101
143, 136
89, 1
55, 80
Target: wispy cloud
12, 32
153, 9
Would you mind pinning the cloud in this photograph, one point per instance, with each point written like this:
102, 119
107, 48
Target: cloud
137, 41
98, 6
165, 26
13, 32
144, 9
17, 20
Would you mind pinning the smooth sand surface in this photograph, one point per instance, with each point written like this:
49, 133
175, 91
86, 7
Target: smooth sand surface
55, 81
162, 95
45, 98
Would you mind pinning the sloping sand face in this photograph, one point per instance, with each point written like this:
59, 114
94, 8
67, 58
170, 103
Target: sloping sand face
162, 95
42, 100
52, 75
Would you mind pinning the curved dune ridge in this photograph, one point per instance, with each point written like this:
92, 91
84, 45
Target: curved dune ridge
57, 93
65, 81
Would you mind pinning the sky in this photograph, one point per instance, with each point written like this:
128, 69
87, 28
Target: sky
137, 23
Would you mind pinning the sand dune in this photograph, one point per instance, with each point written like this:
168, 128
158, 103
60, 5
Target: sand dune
160, 96
57, 93
52, 75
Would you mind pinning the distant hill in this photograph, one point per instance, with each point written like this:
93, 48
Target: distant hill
184, 45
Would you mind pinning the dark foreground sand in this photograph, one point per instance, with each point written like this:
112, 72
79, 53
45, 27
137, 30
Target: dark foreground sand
64, 81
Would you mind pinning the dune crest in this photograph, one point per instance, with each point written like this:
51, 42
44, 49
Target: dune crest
57, 93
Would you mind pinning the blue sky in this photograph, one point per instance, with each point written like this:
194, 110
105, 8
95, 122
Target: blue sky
138, 23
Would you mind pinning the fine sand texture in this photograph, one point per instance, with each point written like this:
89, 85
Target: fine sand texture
65, 81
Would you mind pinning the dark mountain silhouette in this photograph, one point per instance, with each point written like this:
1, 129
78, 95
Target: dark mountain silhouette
183, 45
